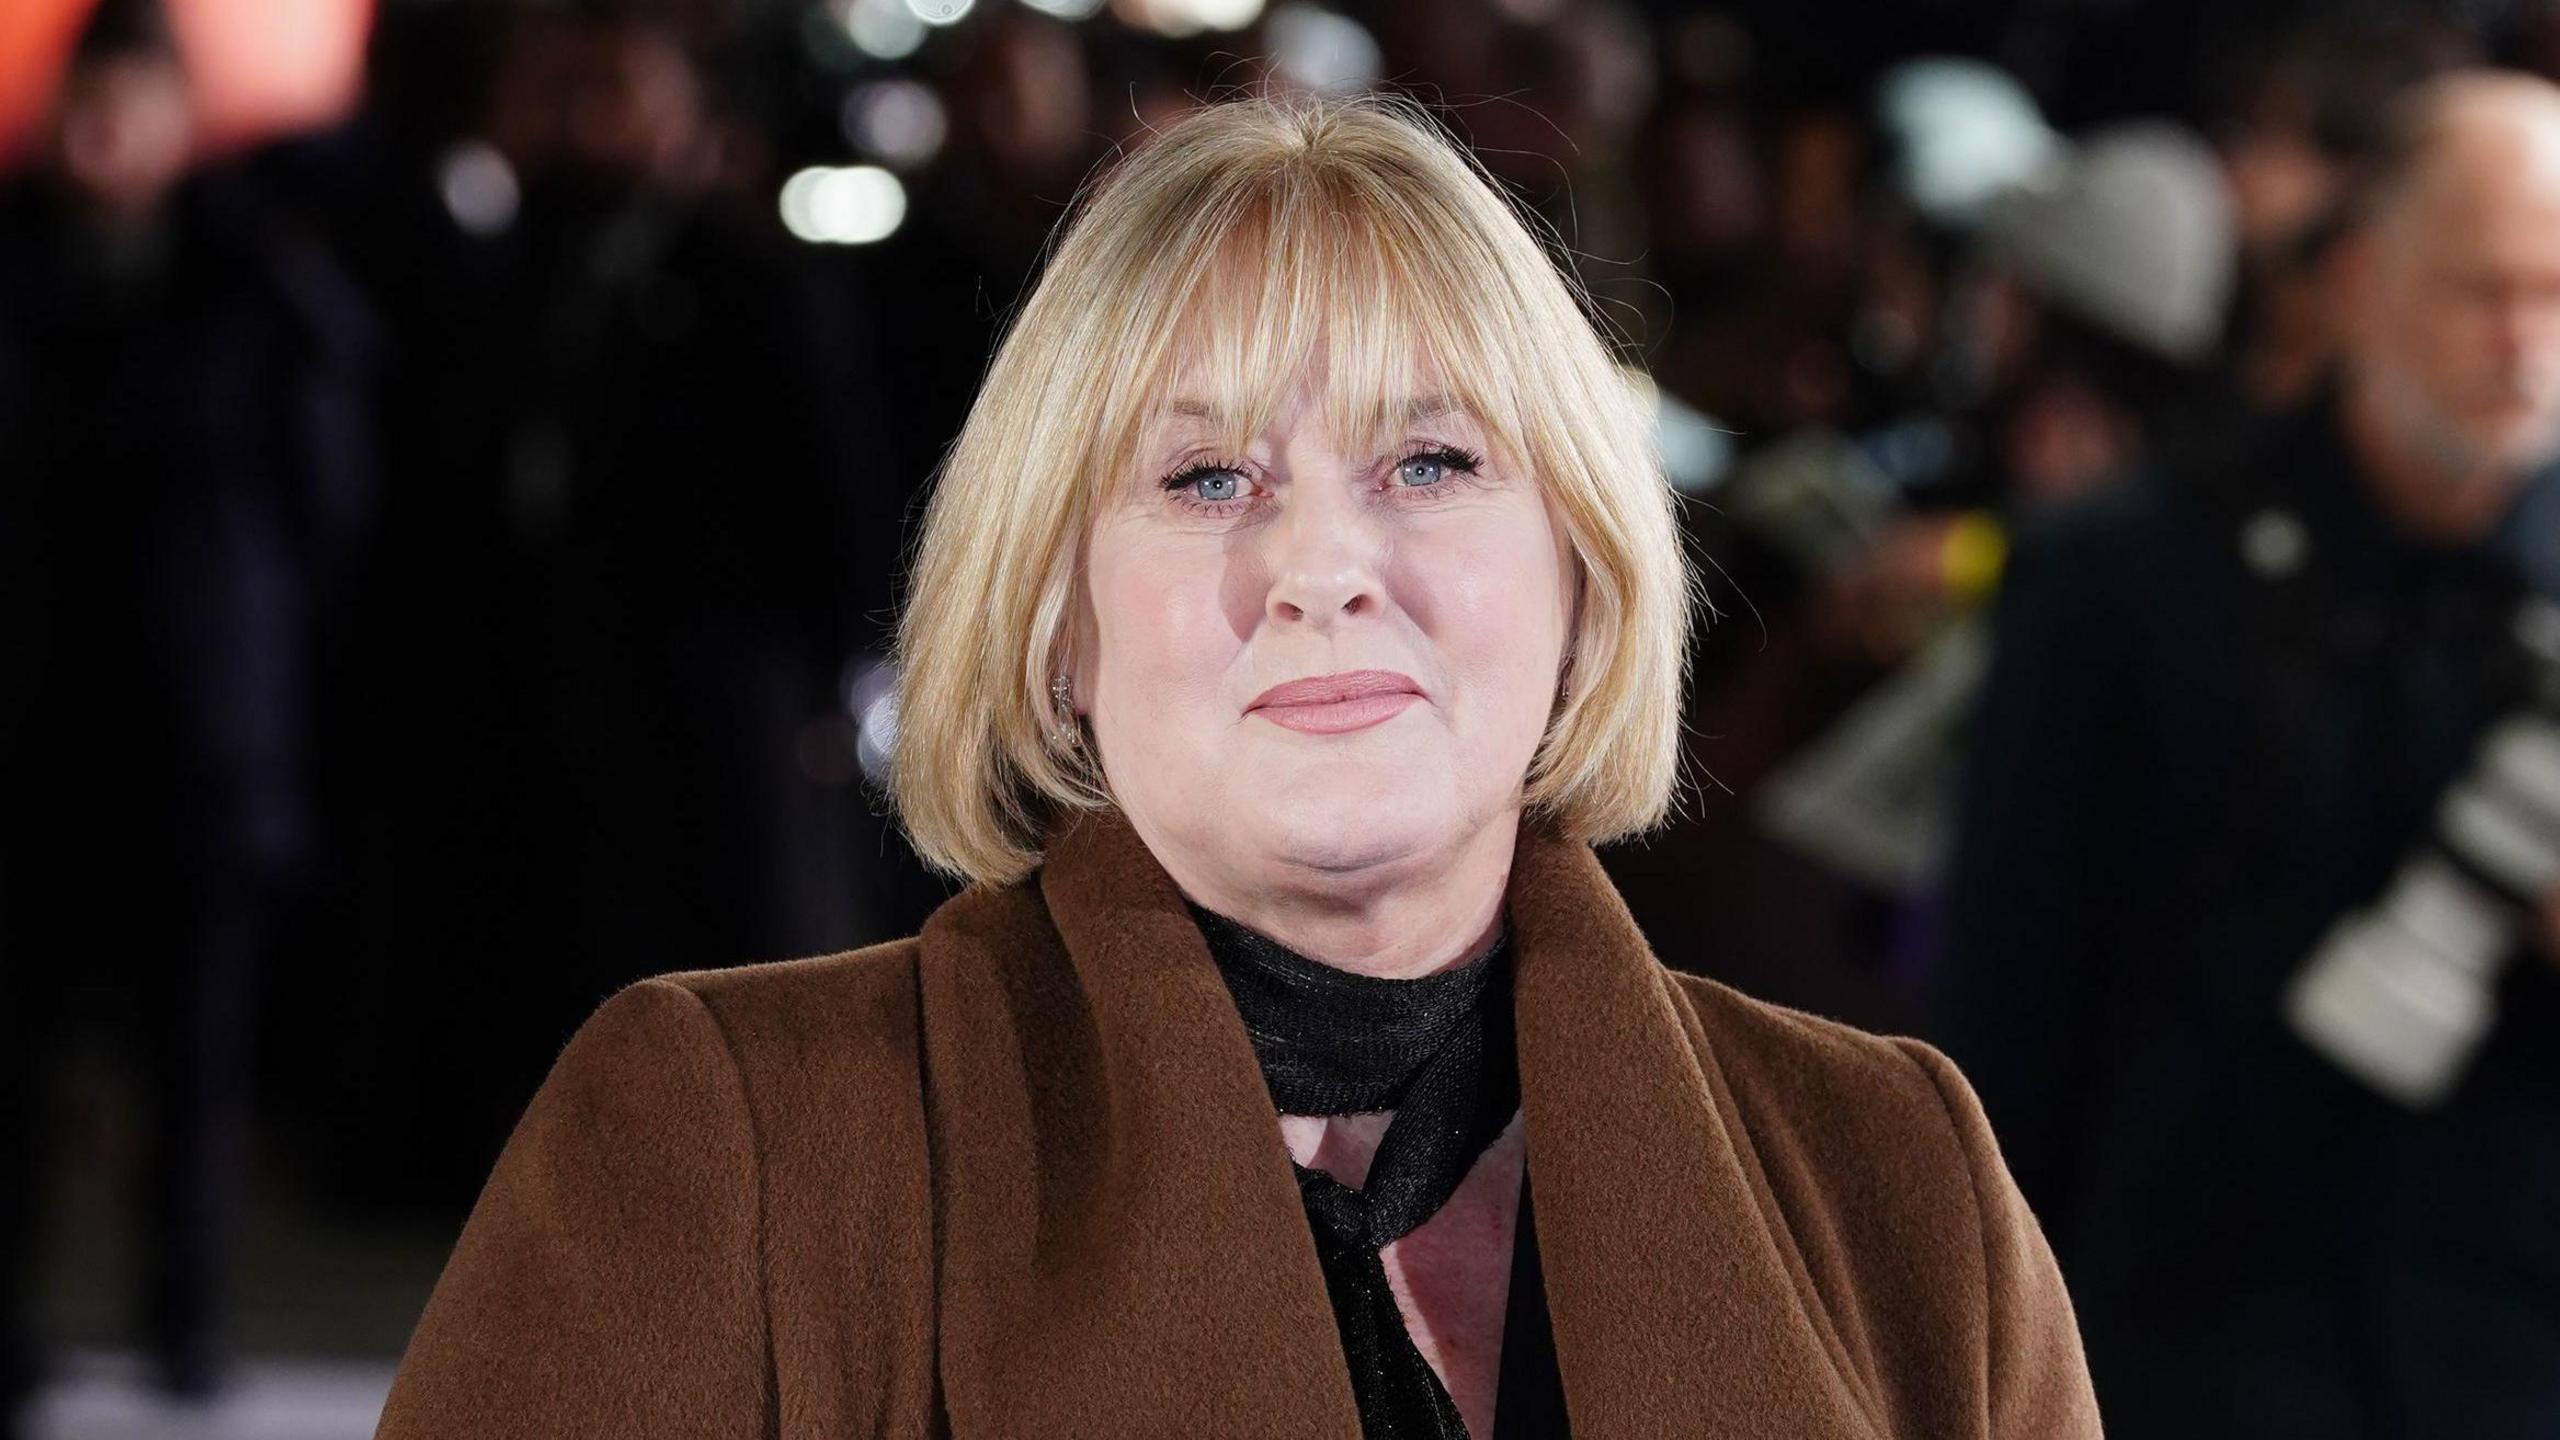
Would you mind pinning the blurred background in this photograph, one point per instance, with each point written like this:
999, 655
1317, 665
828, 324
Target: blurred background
456, 458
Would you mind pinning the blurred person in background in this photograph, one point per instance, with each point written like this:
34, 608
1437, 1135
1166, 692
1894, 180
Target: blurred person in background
1020, 118
1764, 249
615, 585
2228, 706
2305, 116
184, 470
1550, 95
2076, 332
1764, 252
2026, 341
1023, 119
2097, 321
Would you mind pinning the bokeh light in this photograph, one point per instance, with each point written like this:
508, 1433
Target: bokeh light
843, 205
901, 123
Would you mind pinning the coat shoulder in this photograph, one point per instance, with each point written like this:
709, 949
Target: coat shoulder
845, 997
1840, 1114
831, 1058
871, 965
1791, 1066
816, 1041
1855, 1133
1888, 1181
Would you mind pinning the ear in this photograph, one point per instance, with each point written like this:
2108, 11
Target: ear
1076, 642
1066, 687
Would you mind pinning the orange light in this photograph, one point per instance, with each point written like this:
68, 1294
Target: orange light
35, 37
262, 68
272, 67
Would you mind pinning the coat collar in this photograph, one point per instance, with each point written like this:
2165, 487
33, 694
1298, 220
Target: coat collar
1119, 1233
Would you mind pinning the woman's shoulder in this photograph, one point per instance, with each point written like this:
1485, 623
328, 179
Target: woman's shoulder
702, 1134
819, 1062
1843, 1105
791, 1012
837, 978
1748, 1034
773, 1036
1879, 1160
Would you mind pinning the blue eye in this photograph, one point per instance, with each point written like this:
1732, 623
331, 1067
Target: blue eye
1206, 484
1422, 470
1425, 469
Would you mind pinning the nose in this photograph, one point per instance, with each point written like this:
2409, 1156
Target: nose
1324, 568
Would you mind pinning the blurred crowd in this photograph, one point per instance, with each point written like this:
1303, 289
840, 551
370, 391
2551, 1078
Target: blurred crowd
453, 551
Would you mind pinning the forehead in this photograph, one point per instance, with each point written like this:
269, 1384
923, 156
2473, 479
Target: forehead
2489, 231
2486, 192
1277, 337
1357, 281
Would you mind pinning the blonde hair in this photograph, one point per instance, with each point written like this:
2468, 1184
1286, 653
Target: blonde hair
1232, 250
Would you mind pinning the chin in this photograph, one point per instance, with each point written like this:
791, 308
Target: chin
1359, 820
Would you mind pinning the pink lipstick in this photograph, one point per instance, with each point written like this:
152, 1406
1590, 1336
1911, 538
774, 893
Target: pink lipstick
1335, 704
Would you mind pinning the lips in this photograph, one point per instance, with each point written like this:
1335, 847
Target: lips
1329, 689
1332, 704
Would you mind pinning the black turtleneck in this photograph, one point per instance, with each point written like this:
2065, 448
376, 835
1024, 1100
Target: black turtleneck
1439, 1052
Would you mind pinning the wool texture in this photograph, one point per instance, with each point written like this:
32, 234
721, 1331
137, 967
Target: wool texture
1020, 1176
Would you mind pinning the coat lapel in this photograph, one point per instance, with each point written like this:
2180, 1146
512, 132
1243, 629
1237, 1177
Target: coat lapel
1121, 1246
1680, 1305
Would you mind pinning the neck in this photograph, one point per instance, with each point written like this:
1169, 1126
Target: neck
2429, 493
1399, 920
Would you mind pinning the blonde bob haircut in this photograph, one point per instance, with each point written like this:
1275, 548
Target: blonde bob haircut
1234, 252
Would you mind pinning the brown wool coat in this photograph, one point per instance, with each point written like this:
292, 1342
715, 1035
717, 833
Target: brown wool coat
1019, 1176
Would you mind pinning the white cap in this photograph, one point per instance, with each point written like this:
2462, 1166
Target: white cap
2132, 232
1965, 130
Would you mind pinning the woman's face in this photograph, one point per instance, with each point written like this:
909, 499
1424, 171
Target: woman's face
1311, 666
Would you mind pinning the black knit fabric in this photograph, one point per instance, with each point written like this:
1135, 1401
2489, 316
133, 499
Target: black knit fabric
1439, 1052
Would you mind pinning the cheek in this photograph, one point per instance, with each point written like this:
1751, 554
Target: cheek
1160, 622
2458, 337
1491, 597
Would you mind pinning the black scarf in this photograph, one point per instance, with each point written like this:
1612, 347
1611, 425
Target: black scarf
1439, 1052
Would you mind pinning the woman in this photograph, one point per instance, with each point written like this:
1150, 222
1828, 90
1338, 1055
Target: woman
1300, 601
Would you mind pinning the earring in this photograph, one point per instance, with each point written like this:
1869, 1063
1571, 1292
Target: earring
1062, 694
